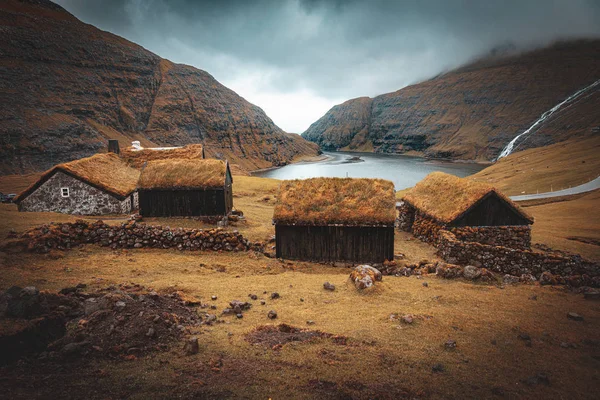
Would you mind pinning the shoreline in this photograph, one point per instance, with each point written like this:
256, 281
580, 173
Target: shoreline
310, 160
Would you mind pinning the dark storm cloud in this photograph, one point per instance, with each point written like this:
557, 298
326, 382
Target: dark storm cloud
335, 50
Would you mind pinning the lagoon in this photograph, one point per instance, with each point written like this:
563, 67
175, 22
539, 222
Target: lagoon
404, 171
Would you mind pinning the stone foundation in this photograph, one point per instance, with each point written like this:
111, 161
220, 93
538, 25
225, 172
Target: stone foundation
64, 236
515, 237
511, 261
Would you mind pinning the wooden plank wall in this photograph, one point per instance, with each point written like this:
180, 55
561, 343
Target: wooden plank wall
181, 203
335, 243
491, 211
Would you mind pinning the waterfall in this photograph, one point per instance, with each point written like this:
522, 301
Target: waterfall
510, 147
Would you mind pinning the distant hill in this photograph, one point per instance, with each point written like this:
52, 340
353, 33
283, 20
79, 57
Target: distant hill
473, 112
66, 87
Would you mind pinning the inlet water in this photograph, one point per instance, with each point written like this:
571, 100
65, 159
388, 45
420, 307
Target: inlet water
404, 171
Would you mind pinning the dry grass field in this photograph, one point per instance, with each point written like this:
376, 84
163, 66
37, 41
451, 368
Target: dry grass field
544, 169
382, 357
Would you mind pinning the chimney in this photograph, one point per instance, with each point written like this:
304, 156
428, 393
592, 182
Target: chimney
113, 146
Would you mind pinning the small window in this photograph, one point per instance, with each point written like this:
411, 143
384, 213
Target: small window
64, 192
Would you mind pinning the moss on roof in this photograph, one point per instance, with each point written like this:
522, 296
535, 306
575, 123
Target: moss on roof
183, 174
104, 171
446, 197
332, 201
137, 158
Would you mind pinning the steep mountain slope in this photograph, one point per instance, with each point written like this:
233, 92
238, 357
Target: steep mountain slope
66, 86
474, 111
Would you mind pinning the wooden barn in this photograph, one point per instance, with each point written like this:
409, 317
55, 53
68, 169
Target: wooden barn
334, 219
471, 209
101, 184
185, 187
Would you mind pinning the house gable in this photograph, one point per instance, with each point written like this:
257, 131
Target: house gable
82, 198
491, 210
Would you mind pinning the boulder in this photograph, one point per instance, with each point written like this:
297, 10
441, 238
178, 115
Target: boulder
365, 276
471, 272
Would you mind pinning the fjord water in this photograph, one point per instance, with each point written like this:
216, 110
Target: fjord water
404, 171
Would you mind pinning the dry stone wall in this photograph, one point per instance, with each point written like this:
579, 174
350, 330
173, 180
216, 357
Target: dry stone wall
64, 236
515, 237
512, 261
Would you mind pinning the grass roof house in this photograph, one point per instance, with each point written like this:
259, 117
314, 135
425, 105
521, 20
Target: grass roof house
335, 219
185, 187
449, 202
101, 184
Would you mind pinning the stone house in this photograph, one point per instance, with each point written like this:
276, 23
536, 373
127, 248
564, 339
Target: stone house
472, 211
100, 184
335, 220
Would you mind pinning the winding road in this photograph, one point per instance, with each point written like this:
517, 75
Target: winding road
586, 187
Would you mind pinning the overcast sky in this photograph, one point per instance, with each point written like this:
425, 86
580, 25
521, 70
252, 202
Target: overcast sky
298, 58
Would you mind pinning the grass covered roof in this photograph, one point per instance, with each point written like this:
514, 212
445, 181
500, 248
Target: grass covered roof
184, 174
446, 197
137, 158
329, 201
107, 172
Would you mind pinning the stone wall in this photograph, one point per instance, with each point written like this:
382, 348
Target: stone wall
425, 228
512, 261
515, 237
83, 199
64, 236
406, 217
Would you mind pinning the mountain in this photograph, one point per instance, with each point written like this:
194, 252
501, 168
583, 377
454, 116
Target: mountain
67, 87
473, 112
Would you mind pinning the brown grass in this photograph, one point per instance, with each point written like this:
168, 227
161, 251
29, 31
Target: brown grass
183, 173
484, 320
446, 197
349, 201
571, 225
555, 167
106, 171
138, 158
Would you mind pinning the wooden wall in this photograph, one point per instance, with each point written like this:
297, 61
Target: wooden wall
335, 243
181, 203
491, 211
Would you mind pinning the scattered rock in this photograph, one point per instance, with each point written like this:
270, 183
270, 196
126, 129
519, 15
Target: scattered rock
574, 316
539, 378
191, 346
533, 297
509, 279
407, 319
272, 314
592, 295
240, 315
310, 322
275, 295
471, 272
438, 368
151, 332
329, 286
425, 284
365, 276
262, 302
213, 298
450, 344
253, 296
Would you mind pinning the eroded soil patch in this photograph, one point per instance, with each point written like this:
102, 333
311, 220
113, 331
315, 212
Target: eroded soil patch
276, 336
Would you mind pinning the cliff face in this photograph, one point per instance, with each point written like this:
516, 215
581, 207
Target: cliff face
66, 87
471, 113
